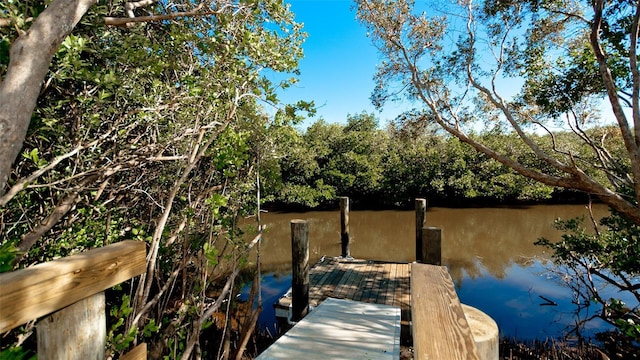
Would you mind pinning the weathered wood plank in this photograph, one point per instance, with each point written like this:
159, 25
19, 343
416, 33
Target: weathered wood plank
392, 284
355, 283
354, 280
344, 283
379, 285
440, 328
42, 289
76, 332
376, 286
318, 276
351, 278
406, 287
365, 284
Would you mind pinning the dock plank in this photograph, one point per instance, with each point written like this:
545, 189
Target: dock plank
346, 282
356, 280
392, 283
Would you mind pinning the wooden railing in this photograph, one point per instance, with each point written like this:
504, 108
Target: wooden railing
440, 328
69, 294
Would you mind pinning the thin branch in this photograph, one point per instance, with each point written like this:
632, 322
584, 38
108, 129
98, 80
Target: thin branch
156, 298
115, 21
29, 239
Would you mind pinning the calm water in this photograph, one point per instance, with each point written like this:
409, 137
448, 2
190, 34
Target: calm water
489, 252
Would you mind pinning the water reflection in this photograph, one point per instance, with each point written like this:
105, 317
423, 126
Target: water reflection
474, 241
490, 254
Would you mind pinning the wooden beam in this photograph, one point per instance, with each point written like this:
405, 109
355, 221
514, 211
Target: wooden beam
440, 328
42, 289
421, 221
345, 239
431, 246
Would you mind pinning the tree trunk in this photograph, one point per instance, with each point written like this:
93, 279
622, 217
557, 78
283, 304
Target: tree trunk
29, 60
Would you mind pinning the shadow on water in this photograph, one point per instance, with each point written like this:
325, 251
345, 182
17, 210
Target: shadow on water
490, 254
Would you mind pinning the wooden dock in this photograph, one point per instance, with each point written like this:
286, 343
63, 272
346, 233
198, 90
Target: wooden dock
368, 281
439, 325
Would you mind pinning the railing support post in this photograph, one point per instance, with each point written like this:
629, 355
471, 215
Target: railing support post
300, 269
77, 331
344, 226
421, 214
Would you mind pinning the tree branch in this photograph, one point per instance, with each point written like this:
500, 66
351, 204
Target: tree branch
609, 83
29, 239
113, 21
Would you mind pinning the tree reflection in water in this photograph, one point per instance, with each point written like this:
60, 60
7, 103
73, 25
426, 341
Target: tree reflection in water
490, 254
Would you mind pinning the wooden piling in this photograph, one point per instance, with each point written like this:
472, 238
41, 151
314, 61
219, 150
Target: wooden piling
300, 269
431, 246
344, 226
421, 213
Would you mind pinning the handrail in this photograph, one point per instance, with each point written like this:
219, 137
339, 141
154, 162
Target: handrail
31, 293
440, 327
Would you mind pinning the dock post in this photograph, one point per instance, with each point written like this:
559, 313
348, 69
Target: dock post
431, 246
344, 226
421, 213
300, 269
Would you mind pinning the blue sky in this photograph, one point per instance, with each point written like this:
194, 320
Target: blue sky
339, 63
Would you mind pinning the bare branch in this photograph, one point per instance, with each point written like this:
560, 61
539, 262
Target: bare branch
29, 239
113, 21
22, 183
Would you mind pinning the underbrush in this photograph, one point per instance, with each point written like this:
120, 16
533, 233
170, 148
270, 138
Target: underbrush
612, 348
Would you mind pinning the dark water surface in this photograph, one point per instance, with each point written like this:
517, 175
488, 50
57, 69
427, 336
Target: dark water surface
489, 252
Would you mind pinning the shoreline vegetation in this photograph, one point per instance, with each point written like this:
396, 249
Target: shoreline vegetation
388, 168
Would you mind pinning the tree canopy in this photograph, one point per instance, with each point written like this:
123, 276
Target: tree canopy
452, 63
151, 130
563, 62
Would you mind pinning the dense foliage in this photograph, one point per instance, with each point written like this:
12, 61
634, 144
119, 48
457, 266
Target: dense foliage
390, 167
152, 132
